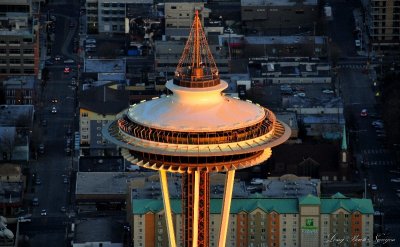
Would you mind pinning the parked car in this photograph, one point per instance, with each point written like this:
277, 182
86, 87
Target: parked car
67, 70
43, 212
364, 113
41, 148
69, 61
395, 180
35, 201
374, 187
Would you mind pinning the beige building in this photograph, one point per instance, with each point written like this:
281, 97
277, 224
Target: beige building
383, 22
308, 221
180, 15
279, 16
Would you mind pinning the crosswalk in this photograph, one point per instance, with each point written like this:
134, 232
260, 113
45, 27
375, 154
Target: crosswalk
375, 151
352, 66
378, 157
381, 163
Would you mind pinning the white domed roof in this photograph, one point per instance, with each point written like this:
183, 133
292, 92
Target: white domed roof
196, 109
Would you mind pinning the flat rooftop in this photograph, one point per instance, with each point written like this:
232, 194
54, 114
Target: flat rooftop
276, 2
25, 82
289, 186
99, 230
16, 115
104, 66
283, 40
101, 164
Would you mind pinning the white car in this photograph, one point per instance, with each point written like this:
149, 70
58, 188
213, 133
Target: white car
43, 212
54, 110
395, 180
374, 187
24, 219
327, 91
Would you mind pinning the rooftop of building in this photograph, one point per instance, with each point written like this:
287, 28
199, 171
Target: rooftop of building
15, 23
277, 2
101, 164
279, 205
284, 40
103, 183
8, 169
11, 192
323, 155
288, 69
96, 230
16, 115
104, 100
19, 82
104, 66
289, 186
289, 118
323, 101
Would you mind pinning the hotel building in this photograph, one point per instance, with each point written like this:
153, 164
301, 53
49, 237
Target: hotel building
307, 221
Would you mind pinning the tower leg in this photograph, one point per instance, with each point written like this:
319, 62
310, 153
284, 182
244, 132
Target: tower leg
167, 208
195, 209
226, 207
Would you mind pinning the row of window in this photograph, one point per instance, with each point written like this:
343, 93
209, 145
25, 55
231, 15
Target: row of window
113, 19
16, 51
113, 12
16, 71
24, 92
17, 61
113, 5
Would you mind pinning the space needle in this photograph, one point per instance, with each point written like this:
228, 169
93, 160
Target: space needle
194, 132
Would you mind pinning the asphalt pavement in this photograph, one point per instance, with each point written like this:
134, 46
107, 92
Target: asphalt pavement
54, 165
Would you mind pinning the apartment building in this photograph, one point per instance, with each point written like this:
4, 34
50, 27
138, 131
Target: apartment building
179, 17
279, 17
106, 16
98, 106
382, 18
308, 221
19, 41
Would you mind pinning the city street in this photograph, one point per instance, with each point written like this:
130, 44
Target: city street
54, 165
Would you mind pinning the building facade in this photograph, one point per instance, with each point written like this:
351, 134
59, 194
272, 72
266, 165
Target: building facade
279, 17
105, 16
98, 106
20, 90
19, 43
308, 221
383, 24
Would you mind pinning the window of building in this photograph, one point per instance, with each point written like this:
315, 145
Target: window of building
15, 71
173, 7
14, 51
29, 61
28, 51
29, 71
15, 61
